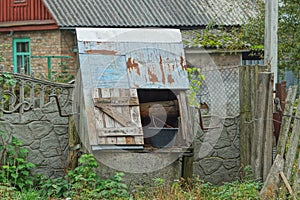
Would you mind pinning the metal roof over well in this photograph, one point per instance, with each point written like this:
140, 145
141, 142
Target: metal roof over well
149, 13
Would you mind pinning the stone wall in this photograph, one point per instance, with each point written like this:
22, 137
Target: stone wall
217, 151
42, 43
34, 119
45, 134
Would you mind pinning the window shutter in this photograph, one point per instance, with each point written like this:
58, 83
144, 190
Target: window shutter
118, 120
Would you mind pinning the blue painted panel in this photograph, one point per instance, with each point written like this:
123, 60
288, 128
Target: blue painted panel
103, 71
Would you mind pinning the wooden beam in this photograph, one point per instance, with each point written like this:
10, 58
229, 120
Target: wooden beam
286, 120
287, 185
261, 158
171, 108
271, 185
117, 101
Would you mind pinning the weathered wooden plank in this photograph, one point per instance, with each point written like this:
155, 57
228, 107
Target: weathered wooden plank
268, 134
117, 101
296, 183
135, 110
115, 93
98, 113
271, 185
248, 76
287, 185
121, 140
293, 146
170, 108
108, 121
261, 149
111, 140
120, 122
120, 131
184, 116
286, 120
139, 140
115, 115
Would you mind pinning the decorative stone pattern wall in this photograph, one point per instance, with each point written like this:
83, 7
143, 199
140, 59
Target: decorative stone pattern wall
45, 134
42, 43
220, 161
36, 121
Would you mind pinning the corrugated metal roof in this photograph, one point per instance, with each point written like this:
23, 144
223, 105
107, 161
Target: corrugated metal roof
149, 13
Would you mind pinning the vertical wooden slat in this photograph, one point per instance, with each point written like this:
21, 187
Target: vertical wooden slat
261, 149
134, 112
185, 127
98, 118
268, 134
292, 150
286, 120
296, 184
248, 76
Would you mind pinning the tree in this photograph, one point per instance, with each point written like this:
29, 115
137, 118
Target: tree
288, 33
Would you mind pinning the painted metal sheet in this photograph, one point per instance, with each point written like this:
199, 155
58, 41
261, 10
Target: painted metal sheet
103, 71
129, 60
118, 35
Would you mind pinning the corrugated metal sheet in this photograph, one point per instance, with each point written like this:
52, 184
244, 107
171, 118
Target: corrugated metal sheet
27, 11
149, 13
135, 61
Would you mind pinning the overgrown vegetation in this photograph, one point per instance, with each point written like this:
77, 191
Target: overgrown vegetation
195, 78
84, 183
62, 75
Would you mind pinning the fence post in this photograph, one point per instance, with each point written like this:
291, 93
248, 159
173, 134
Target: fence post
261, 152
248, 83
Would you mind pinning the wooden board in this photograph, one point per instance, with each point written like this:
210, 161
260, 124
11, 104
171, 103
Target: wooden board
117, 115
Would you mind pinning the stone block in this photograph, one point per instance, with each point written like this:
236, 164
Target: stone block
40, 129
50, 145
210, 165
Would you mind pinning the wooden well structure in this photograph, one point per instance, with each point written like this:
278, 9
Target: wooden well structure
131, 90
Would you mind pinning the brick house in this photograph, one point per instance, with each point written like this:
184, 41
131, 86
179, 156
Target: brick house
39, 35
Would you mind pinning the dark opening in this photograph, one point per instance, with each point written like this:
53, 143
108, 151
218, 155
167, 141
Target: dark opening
159, 116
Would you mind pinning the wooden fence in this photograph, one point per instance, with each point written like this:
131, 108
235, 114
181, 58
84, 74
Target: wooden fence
259, 132
287, 152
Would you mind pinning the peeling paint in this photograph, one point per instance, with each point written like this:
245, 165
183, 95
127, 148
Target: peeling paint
162, 70
133, 65
152, 77
102, 52
182, 63
170, 79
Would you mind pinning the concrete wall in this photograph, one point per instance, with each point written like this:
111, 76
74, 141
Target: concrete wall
217, 151
42, 43
45, 134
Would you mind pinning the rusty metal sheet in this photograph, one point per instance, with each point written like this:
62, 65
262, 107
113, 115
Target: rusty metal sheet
156, 68
126, 58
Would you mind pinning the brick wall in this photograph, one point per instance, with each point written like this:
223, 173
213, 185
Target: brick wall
42, 43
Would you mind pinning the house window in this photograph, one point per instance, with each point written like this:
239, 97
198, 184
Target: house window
21, 55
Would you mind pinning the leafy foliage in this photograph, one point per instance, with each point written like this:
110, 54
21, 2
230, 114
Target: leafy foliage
15, 170
217, 38
195, 77
84, 183
63, 74
288, 33
7, 78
